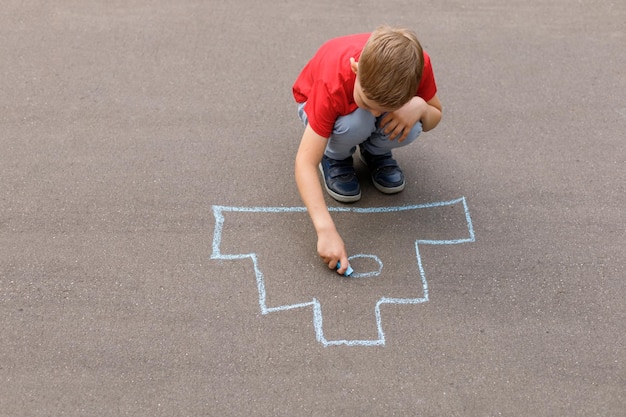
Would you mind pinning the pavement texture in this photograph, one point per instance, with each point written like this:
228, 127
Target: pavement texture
155, 259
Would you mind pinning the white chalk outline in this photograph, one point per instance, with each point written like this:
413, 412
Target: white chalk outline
317, 307
366, 274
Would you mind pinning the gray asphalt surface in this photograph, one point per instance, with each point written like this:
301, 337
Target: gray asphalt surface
154, 260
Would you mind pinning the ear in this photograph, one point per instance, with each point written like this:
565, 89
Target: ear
354, 65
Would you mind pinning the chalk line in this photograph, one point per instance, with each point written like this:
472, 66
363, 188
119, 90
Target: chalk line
218, 212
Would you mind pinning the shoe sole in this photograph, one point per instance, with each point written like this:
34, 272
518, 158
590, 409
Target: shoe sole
339, 197
382, 188
388, 190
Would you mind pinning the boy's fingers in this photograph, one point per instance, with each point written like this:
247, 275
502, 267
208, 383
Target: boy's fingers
343, 265
346, 270
390, 130
396, 134
332, 264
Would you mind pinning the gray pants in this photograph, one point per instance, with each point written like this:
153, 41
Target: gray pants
360, 128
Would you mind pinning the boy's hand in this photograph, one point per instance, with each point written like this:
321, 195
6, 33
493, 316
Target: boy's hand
398, 123
331, 249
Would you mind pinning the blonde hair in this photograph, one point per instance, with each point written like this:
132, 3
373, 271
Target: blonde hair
390, 66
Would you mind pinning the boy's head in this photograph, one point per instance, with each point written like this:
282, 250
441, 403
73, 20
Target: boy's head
390, 67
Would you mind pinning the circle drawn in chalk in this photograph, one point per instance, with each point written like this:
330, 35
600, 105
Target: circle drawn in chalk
367, 274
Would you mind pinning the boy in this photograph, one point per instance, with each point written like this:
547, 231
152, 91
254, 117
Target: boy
374, 90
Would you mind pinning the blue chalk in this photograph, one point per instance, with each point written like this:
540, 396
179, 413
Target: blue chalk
348, 272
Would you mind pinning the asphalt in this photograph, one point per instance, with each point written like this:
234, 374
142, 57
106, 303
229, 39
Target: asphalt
155, 259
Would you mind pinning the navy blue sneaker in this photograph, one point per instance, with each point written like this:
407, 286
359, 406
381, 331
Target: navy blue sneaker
340, 179
386, 174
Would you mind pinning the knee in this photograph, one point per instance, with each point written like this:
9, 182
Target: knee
355, 127
414, 133
384, 142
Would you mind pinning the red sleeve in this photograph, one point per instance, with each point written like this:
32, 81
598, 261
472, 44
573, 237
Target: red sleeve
320, 109
427, 87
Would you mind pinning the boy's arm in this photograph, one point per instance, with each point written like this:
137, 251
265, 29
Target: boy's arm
432, 116
330, 246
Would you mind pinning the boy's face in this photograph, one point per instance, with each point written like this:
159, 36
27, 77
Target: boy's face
361, 99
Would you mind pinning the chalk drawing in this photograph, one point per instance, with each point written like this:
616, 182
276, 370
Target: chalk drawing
366, 274
219, 211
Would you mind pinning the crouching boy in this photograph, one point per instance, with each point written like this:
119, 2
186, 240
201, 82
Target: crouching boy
373, 91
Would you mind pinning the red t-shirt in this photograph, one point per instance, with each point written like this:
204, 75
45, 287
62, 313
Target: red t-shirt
326, 83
